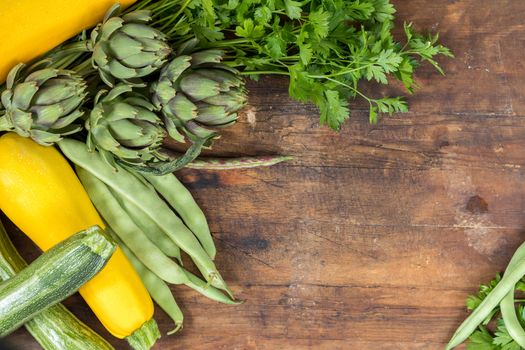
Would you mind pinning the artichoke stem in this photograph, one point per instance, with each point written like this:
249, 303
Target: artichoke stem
84, 68
164, 168
76, 47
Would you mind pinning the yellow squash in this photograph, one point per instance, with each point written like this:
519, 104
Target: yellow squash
41, 194
30, 28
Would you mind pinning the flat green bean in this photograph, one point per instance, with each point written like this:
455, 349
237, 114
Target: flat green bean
193, 282
150, 228
129, 187
208, 291
508, 310
157, 288
488, 304
180, 199
226, 288
129, 233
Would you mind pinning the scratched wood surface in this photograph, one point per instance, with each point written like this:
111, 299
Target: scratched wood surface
373, 237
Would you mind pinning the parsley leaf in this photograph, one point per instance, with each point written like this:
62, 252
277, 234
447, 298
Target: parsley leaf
249, 30
276, 46
320, 21
499, 339
503, 338
263, 15
293, 9
334, 109
481, 339
326, 47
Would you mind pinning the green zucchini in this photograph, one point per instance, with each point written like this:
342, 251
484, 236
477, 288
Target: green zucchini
55, 328
52, 277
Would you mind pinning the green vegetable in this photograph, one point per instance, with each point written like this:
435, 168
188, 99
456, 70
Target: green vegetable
42, 103
151, 229
54, 328
132, 189
326, 47
137, 242
117, 218
126, 48
481, 339
123, 125
197, 94
488, 304
52, 277
508, 311
208, 291
509, 332
185, 206
500, 338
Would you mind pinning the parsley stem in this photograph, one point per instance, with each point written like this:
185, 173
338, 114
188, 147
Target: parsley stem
342, 84
336, 74
158, 9
183, 6
141, 5
228, 42
257, 72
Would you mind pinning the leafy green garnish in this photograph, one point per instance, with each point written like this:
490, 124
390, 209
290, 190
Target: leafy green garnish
503, 339
326, 47
481, 339
500, 339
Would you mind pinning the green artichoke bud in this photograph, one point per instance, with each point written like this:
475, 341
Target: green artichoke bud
123, 126
43, 104
126, 48
196, 94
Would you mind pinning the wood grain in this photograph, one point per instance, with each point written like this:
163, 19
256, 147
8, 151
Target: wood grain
371, 238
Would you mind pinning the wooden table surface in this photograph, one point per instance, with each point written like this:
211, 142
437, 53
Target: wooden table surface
371, 238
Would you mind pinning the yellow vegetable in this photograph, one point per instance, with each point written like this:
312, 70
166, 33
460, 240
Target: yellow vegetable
41, 194
30, 28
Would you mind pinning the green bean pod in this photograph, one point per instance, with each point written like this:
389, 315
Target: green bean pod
505, 286
157, 288
226, 288
120, 222
150, 228
129, 187
208, 291
508, 310
180, 199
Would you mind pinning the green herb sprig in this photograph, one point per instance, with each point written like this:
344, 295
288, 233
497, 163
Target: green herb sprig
499, 338
326, 47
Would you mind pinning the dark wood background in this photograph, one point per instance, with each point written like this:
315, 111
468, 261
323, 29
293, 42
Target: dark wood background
371, 238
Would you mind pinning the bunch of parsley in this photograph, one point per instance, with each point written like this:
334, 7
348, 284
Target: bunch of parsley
326, 47
499, 338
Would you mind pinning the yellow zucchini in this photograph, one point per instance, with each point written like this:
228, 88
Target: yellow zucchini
30, 28
41, 194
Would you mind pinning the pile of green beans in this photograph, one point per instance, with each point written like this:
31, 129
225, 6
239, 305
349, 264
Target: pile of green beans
154, 218
502, 295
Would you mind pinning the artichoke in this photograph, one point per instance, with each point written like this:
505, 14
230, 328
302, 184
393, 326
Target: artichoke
126, 48
196, 94
123, 126
42, 105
